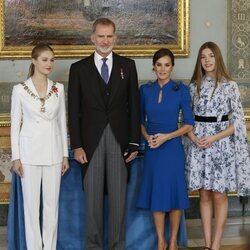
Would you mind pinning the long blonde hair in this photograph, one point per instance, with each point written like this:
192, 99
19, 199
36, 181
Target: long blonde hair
36, 52
220, 68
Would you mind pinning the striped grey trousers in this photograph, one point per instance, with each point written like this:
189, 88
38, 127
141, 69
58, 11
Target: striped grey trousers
107, 162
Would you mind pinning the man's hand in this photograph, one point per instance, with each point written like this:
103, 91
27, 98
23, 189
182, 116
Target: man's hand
131, 152
131, 156
80, 155
17, 168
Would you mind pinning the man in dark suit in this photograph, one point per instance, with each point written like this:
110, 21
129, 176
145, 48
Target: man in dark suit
104, 131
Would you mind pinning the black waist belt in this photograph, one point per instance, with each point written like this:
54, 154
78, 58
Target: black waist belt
210, 118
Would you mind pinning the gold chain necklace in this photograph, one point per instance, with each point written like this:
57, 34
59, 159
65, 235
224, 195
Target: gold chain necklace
42, 100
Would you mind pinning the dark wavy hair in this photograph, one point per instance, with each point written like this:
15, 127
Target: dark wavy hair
161, 53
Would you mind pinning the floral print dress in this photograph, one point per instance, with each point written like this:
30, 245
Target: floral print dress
225, 166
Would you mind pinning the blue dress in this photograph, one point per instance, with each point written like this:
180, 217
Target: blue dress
163, 185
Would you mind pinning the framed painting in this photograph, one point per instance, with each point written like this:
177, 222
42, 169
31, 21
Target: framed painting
143, 26
5, 159
5, 150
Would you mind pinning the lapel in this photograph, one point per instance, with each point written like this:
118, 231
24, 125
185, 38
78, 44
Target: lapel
94, 79
115, 77
52, 101
35, 104
31, 86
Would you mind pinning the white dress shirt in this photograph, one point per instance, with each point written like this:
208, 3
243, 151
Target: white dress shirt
99, 62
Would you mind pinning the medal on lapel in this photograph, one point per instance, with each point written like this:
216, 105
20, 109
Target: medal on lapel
42, 109
53, 90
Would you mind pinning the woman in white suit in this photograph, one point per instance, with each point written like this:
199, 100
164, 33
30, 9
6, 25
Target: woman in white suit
39, 147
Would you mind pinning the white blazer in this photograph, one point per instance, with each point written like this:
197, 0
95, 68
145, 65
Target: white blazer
38, 138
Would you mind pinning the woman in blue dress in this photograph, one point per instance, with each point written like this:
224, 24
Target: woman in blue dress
163, 188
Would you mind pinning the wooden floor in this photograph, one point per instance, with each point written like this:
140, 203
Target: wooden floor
236, 235
222, 248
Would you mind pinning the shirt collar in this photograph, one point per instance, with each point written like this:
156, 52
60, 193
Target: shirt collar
99, 57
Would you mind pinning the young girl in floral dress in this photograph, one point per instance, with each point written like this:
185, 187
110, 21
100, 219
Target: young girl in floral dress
217, 152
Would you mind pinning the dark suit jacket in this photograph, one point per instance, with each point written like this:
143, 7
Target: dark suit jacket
88, 112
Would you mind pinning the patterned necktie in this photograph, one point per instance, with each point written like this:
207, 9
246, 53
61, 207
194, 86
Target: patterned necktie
105, 70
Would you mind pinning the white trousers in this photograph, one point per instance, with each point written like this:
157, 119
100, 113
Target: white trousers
50, 178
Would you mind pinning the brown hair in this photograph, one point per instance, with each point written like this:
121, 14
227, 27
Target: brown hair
103, 21
36, 52
220, 68
161, 53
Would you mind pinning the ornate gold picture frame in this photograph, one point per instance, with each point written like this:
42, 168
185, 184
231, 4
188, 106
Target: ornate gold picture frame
5, 161
142, 26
